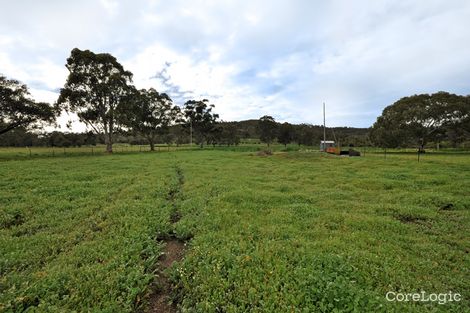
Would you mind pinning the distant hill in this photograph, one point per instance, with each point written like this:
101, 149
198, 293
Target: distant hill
307, 134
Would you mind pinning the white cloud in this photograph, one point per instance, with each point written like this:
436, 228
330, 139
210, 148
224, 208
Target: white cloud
111, 6
11, 70
52, 75
43, 95
251, 58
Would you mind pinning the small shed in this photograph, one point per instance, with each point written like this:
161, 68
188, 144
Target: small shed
325, 144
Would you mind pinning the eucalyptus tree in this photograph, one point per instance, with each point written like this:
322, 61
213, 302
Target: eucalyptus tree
19, 110
419, 119
200, 119
268, 129
151, 113
97, 90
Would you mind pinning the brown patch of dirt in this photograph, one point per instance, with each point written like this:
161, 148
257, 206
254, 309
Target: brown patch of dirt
160, 300
175, 217
264, 153
416, 220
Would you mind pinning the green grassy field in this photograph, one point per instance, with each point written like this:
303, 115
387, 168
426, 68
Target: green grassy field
291, 232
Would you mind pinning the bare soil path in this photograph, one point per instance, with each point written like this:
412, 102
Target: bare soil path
160, 300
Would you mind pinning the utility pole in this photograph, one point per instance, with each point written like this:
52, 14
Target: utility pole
324, 127
191, 132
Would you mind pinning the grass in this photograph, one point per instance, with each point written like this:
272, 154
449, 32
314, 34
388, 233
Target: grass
17, 153
291, 232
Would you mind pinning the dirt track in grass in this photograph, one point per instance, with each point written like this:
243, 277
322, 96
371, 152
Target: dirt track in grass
160, 300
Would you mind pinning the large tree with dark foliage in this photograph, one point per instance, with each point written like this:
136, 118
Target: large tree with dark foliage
286, 134
420, 119
200, 119
267, 129
385, 134
96, 89
458, 129
19, 110
151, 113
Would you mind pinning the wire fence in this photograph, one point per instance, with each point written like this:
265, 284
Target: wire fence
32, 152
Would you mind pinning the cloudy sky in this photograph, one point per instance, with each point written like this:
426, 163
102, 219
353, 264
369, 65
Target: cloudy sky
251, 58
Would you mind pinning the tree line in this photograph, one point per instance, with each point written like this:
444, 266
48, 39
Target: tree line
100, 91
223, 133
